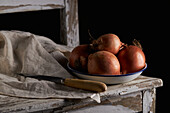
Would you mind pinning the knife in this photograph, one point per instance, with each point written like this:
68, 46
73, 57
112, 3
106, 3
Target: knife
89, 85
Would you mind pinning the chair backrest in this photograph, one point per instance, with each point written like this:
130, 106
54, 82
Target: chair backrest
69, 23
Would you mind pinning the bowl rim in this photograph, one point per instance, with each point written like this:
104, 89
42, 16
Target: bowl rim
76, 71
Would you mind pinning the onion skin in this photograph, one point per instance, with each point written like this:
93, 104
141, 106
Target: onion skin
108, 42
132, 59
104, 63
79, 57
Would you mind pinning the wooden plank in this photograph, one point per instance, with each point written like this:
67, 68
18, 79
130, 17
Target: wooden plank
103, 109
70, 23
149, 99
22, 105
122, 94
10, 6
130, 102
139, 84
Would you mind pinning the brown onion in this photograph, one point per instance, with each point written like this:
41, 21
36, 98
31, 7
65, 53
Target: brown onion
103, 62
131, 58
107, 42
79, 57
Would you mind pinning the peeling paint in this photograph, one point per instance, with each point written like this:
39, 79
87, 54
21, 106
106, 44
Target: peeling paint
32, 2
21, 8
104, 109
133, 101
149, 101
31, 5
133, 98
70, 23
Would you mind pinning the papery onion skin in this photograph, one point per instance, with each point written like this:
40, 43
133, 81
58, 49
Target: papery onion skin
108, 42
104, 63
79, 57
132, 59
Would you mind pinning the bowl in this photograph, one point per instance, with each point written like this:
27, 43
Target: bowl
108, 79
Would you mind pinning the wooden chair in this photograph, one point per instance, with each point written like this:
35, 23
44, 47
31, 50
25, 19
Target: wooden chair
69, 26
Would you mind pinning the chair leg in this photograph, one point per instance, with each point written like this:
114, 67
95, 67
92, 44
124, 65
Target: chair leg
149, 99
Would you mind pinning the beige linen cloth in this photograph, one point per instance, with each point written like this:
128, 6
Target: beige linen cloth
24, 52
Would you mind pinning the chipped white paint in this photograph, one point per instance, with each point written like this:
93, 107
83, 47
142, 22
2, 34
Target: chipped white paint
104, 109
132, 101
70, 23
139, 91
149, 97
25, 8
126, 96
68, 15
28, 8
139, 84
10, 6
31, 2
27, 105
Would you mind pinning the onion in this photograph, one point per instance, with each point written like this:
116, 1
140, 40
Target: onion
107, 42
131, 58
103, 62
79, 57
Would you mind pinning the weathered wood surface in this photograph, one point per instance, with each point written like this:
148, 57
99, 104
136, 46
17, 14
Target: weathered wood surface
10, 6
136, 92
149, 100
129, 103
70, 23
139, 84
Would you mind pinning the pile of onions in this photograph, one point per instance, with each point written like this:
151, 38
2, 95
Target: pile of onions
107, 56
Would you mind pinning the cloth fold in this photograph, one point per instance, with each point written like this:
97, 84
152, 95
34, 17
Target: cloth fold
24, 52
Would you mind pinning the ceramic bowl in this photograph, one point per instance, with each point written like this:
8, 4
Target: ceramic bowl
108, 79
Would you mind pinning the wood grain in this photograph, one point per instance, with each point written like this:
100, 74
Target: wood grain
70, 23
133, 92
11, 6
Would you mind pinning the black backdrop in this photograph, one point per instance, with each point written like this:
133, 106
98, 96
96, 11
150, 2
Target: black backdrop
144, 21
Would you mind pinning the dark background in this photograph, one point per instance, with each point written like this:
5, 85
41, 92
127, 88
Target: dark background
144, 21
